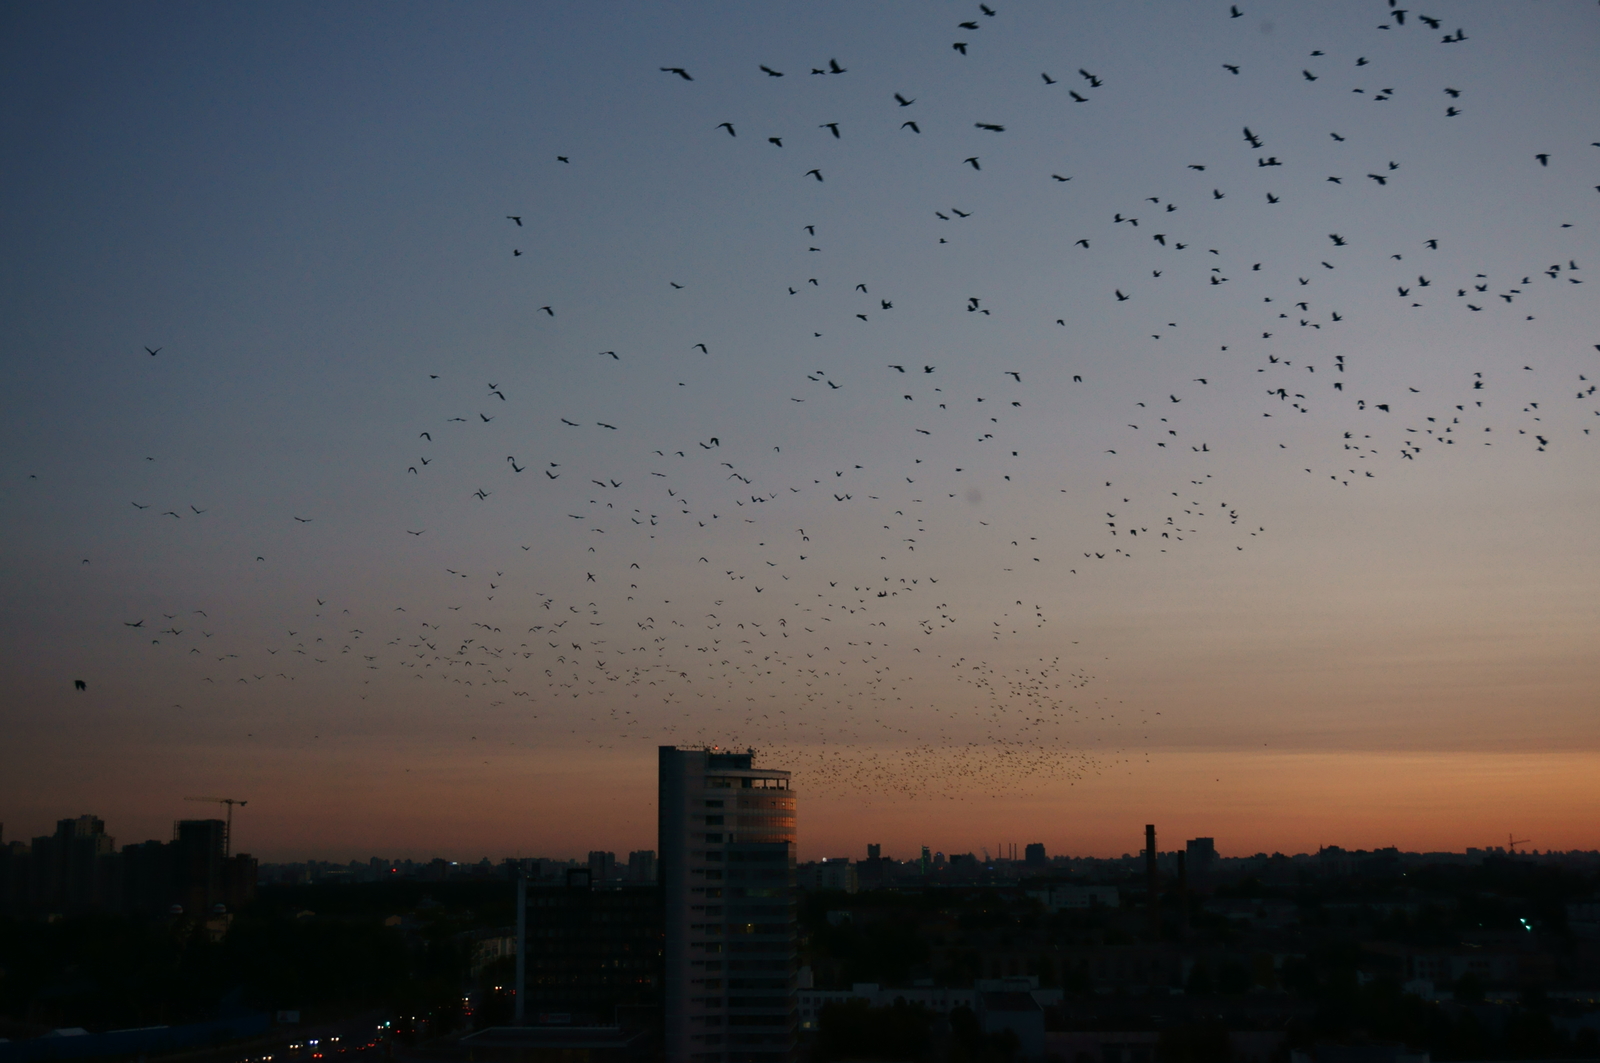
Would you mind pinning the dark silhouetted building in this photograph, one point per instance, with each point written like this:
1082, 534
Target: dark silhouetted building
594, 952
204, 874
727, 851
871, 872
1200, 856
1033, 856
642, 866
73, 870
602, 866
78, 869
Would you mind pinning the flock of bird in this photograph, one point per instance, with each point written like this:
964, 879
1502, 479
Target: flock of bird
713, 589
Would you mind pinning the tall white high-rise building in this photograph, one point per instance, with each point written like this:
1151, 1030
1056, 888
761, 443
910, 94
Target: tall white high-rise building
727, 860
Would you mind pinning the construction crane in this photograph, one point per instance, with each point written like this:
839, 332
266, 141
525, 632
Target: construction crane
227, 836
1512, 841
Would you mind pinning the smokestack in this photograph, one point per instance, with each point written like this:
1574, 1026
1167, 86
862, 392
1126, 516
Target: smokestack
1152, 879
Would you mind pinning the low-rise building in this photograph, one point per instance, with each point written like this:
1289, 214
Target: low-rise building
1057, 898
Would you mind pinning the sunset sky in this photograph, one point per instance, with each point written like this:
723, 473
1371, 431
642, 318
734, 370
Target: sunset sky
518, 405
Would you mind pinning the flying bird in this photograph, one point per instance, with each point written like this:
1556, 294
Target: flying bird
678, 70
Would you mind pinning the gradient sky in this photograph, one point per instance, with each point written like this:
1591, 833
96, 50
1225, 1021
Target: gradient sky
1282, 575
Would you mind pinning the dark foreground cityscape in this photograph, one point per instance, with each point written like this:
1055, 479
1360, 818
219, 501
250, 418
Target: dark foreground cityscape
717, 947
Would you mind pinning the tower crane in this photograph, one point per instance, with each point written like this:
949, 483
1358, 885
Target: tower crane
227, 837
1512, 841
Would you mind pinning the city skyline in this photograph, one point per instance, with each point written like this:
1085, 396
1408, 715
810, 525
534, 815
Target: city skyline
1440, 826
413, 415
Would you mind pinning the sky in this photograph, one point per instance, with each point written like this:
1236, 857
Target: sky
1024, 423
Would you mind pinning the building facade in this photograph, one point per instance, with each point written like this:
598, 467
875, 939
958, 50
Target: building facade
593, 952
727, 864
79, 870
